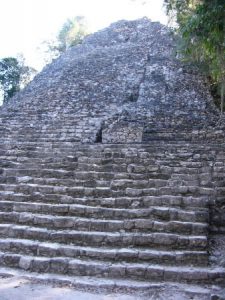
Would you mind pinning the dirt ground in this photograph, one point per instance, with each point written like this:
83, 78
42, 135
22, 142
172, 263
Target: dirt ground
14, 288
21, 289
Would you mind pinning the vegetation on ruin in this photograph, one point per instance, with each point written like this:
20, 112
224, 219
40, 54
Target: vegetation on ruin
201, 25
14, 75
70, 34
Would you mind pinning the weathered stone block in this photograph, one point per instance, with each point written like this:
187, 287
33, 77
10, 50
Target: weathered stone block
59, 265
154, 273
40, 265
25, 263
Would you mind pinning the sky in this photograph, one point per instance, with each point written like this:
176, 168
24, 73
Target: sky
25, 24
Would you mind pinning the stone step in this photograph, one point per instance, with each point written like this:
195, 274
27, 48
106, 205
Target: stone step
168, 190
37, 130
120, 173
160, 241
42, 138
90, 224
13, 124
156, 150
145, 169
78, 267
181, 202
51, 135
142, 164
106, 285
11, 152
44, 165
89, 182
34, 248
83, 175
43, 173
152, 213
150, 158
37, 158
173, 146
81, 191
114, 184
88, 155
93, 156
117, 182
152, 155
101, 165
78, 191
32, 136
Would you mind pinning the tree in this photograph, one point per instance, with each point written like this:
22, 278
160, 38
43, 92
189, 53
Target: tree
9, 77
27, 73
201, 24
71, 33
13, 76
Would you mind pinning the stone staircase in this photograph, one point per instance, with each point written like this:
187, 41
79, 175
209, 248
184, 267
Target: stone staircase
112, 168
114, 212
44, 127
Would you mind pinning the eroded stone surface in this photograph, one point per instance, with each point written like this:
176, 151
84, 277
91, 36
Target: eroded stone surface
126, 209
122, 85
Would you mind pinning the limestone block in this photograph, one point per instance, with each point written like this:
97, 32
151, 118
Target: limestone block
25, 262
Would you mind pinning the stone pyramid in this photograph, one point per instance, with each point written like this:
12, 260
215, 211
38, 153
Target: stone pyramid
123, 84
111, 170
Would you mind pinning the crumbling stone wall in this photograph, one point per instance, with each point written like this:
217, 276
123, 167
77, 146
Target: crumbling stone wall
127, 70
118, 133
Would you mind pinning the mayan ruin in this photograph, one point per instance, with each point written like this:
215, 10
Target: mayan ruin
112, 169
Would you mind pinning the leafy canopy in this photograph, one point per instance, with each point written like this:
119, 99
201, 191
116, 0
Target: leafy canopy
13, 76
71, 34
9, 76
201, 24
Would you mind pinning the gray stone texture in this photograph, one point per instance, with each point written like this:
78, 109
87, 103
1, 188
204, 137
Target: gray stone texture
124, 84
110, 167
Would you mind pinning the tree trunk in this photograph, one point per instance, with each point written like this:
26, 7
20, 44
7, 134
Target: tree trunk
222, 97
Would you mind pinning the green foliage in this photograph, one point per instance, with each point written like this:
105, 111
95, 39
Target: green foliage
9, 76
201, 24
71, 34
13, 75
